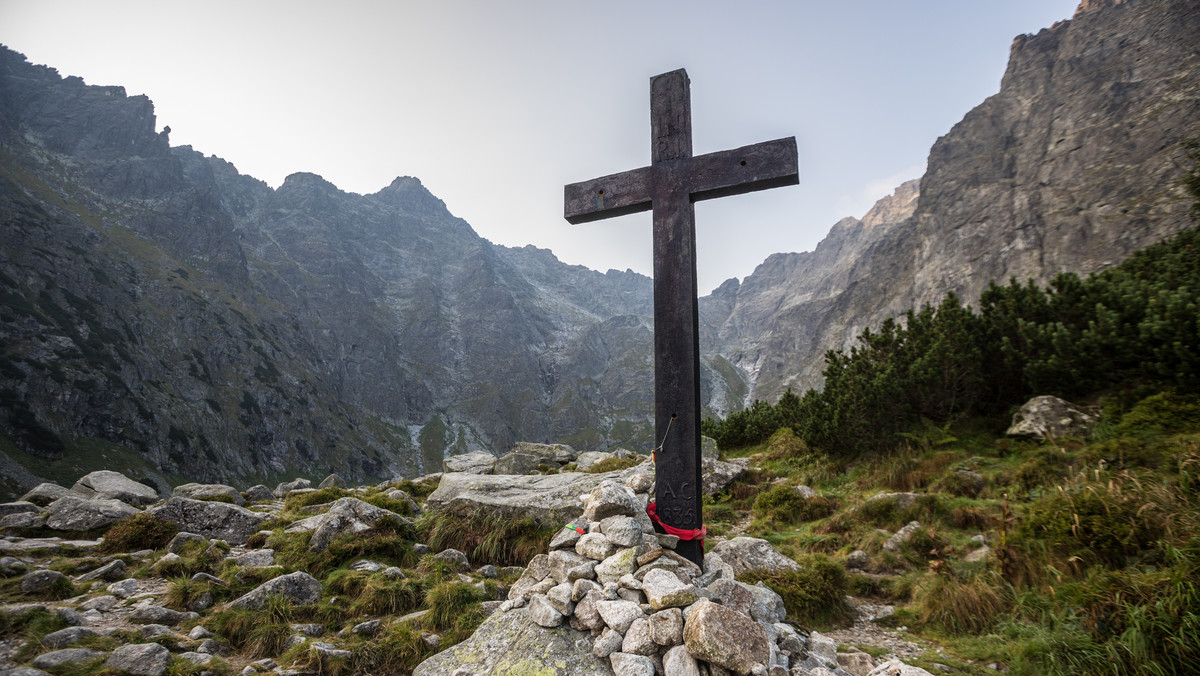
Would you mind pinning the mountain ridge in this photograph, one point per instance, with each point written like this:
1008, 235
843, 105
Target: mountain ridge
161, 306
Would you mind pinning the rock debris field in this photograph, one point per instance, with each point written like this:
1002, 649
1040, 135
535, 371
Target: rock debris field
610, 596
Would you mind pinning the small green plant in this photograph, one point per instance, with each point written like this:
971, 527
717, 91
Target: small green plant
615, 464
140, 531
960, 605
450, 601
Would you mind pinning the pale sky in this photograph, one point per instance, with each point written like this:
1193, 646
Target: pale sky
496, 105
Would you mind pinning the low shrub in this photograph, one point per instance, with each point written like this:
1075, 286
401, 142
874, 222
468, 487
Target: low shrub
782, 504
961, 606
140, 531
814, 594
450, 601
487, 538
1111, 524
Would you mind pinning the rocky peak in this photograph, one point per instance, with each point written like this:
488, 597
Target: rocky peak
1086, 6
895, 207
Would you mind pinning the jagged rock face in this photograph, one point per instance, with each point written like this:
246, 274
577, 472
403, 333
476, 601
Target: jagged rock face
779, 322
157, 300
1072, 166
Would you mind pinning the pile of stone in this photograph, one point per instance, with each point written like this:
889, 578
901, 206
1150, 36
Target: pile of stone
612, 596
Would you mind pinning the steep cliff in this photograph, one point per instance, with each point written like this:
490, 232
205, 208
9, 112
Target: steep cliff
1073, 165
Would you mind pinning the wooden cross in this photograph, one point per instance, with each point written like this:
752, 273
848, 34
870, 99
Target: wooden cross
670, 185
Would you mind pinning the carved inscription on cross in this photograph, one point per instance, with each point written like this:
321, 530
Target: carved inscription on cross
670, 185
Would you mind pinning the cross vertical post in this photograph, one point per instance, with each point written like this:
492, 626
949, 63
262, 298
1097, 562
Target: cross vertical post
673, 182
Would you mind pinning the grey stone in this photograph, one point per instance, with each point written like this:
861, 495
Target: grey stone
543, 612
67, 637
106, 484
41, 581
282, 489
559, 596
45, 493
299, 587
665, 590
198, 633
454, 557
259, 493
567, 566
345, 515
768, 606
110, 572
516, 463
619, 614
624, 664
196, 658
587, 459
622, 531
894, 543
332, 481
895, 667
10, 567
823, 648
368, 628
219, 520
550, 498
856, 663
256, 558
151, 614
608, 642
666, 627
585, 609
209, 492
512, 643
677, 662
622, 563
1048, 416
123, 588
558, 453
638, 640
858, 559
752, 554
184, 540
102, 603
716, 634
71, 512
58, 658
212, 646
476, 462
708, 448
18, 507
610, 499
139, 659
23, 520
595, 546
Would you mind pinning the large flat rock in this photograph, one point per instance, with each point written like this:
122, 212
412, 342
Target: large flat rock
511, 643
544, 497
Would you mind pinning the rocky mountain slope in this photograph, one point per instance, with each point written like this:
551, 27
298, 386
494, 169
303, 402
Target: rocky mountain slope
162, 308
1073, 165
162, 313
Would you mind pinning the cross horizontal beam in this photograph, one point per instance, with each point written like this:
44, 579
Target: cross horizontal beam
770, 164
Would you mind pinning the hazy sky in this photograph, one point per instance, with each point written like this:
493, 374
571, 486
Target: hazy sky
495, 105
